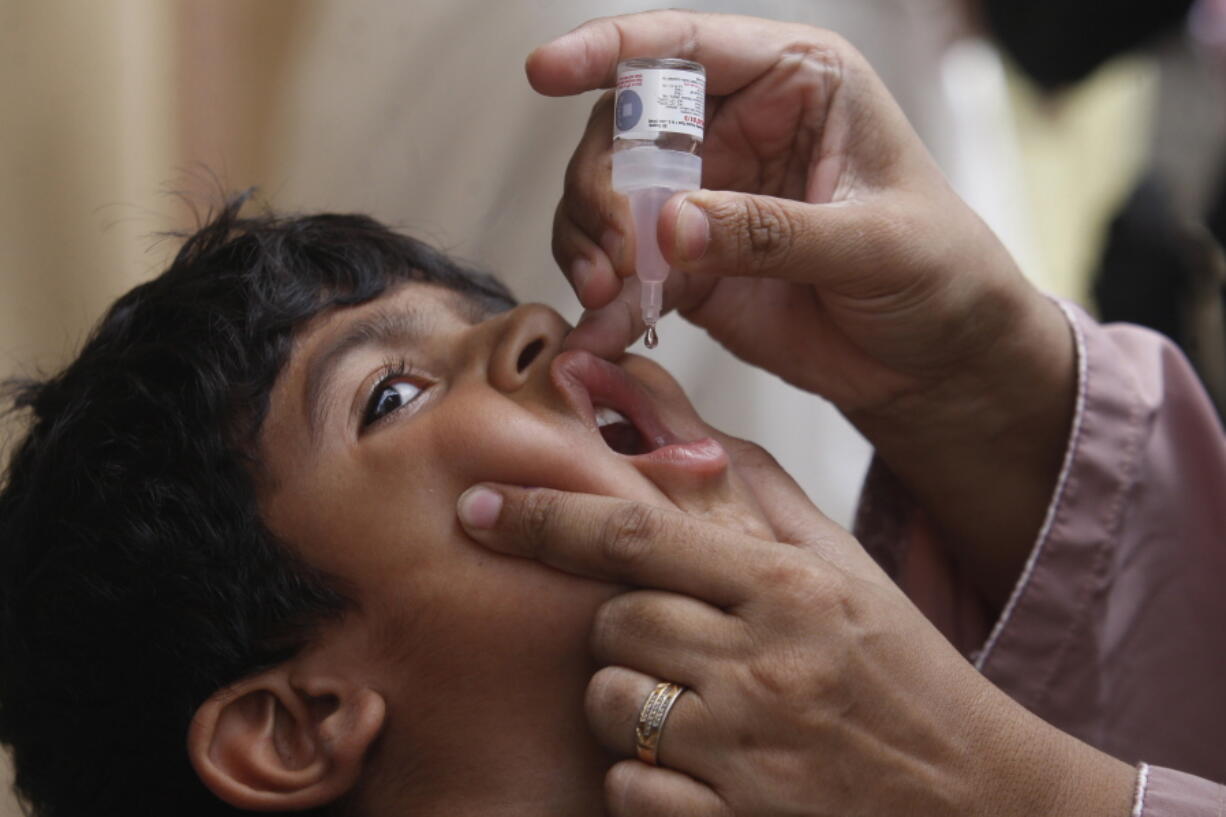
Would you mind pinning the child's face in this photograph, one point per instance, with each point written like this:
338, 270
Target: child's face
361, 478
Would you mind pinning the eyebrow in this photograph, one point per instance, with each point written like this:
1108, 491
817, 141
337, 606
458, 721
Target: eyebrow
384, 328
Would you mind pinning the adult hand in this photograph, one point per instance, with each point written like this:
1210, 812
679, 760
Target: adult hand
830, 250
813, 686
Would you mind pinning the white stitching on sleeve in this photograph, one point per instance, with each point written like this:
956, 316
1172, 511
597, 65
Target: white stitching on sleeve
1138, 800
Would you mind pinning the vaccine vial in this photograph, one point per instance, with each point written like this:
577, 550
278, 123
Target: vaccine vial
658, 121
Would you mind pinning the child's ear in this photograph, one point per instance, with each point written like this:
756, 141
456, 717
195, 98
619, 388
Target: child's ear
286, 739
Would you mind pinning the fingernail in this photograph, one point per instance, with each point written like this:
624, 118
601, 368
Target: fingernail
693, 231
479, 507
581, 275
612, 242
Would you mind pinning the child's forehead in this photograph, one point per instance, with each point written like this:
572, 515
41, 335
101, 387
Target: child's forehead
426, 301
409, 312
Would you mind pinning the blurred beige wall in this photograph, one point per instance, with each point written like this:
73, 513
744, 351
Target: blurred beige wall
87, 100
231, 58
116, 112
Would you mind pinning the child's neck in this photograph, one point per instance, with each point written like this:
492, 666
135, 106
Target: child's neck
554, 770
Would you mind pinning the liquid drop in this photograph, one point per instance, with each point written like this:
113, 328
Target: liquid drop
652, 340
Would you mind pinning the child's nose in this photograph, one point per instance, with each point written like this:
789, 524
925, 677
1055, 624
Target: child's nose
530, 338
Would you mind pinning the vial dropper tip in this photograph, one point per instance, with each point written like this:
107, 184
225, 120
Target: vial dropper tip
653, 339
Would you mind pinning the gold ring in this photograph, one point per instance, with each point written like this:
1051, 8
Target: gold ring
651, 719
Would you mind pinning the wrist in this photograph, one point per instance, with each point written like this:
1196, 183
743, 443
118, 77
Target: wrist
1016, 388
1030, 767
982, 449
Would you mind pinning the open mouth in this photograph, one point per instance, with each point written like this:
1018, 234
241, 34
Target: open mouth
619, 433
611, 403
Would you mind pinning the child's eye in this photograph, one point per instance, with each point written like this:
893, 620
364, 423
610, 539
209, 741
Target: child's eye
389, 396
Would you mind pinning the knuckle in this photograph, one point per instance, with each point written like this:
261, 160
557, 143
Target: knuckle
696, 711
602, 110
627, 537
818, 57
537, 511
825, 54
563, 240
794, 684
608, 623
766, 231
800, 586
781, 771
580, 185
772, 676
751, 454
572, 179
687, 25
631, 618
619, 789
607, 692
572, 176
589, 205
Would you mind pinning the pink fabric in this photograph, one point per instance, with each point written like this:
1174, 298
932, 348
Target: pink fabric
1116, 631
1169, 793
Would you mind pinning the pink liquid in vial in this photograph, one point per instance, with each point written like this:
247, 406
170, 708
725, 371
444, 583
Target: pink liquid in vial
645, 205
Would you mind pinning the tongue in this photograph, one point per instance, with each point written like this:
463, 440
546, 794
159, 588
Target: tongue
623, 438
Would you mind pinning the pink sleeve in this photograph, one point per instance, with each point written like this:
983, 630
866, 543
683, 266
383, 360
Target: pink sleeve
1168, 793
1116, 628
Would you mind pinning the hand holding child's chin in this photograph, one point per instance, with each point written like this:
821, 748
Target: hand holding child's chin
782, 646
811, 685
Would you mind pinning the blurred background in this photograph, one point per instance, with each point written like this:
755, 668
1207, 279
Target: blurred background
1089, 135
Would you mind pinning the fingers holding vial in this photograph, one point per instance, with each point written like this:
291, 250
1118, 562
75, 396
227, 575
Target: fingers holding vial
592, 223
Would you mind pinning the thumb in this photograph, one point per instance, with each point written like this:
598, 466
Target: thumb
739, 234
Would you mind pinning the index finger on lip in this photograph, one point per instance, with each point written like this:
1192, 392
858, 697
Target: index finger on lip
616, 540
734, 49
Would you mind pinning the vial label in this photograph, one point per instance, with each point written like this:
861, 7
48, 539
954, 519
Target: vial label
651, 101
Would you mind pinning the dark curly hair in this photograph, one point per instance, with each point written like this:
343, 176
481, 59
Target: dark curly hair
136, 576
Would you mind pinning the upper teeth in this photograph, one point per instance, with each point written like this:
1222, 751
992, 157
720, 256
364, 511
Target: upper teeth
606, 416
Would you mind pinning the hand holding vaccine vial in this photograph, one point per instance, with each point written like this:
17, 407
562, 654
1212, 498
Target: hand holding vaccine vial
657, 151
